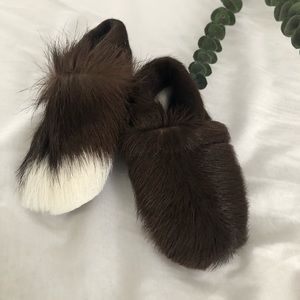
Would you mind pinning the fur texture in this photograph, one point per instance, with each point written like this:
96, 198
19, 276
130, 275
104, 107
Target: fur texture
189, 189
84, 97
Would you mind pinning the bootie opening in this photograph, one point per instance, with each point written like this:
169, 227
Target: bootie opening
184, 101
112, 31
168, 72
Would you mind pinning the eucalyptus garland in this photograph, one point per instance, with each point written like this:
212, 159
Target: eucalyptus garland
286, 11
210, 43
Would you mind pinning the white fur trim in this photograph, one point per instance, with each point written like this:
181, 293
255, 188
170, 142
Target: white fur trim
74, 184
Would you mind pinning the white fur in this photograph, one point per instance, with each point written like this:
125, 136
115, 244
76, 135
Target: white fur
74, 184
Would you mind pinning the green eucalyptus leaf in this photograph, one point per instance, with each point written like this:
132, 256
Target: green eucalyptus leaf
292, 26
219, 46
285, 10
201, 55
196, 67
233, 5
278, 9
223, 16
293, 10
213, 57
296, 39
199, 67
208, 70
207, 43
215, 30
206, 56
200, 80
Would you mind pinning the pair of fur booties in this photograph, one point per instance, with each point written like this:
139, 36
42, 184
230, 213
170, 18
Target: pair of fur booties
189, 189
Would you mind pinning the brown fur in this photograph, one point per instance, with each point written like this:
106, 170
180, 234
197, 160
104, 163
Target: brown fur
84, 94
189, 189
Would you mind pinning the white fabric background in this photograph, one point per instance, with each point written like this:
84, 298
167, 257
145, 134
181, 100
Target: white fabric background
100, 251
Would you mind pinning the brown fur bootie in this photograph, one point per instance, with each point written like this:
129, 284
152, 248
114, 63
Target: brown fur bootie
84, 94
189, 188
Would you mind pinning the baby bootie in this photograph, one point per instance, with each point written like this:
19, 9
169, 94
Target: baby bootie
189, 189
84, 94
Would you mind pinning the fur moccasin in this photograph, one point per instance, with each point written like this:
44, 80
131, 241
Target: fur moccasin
189, 189
84, 93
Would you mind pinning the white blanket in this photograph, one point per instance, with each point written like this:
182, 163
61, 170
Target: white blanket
100, 250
